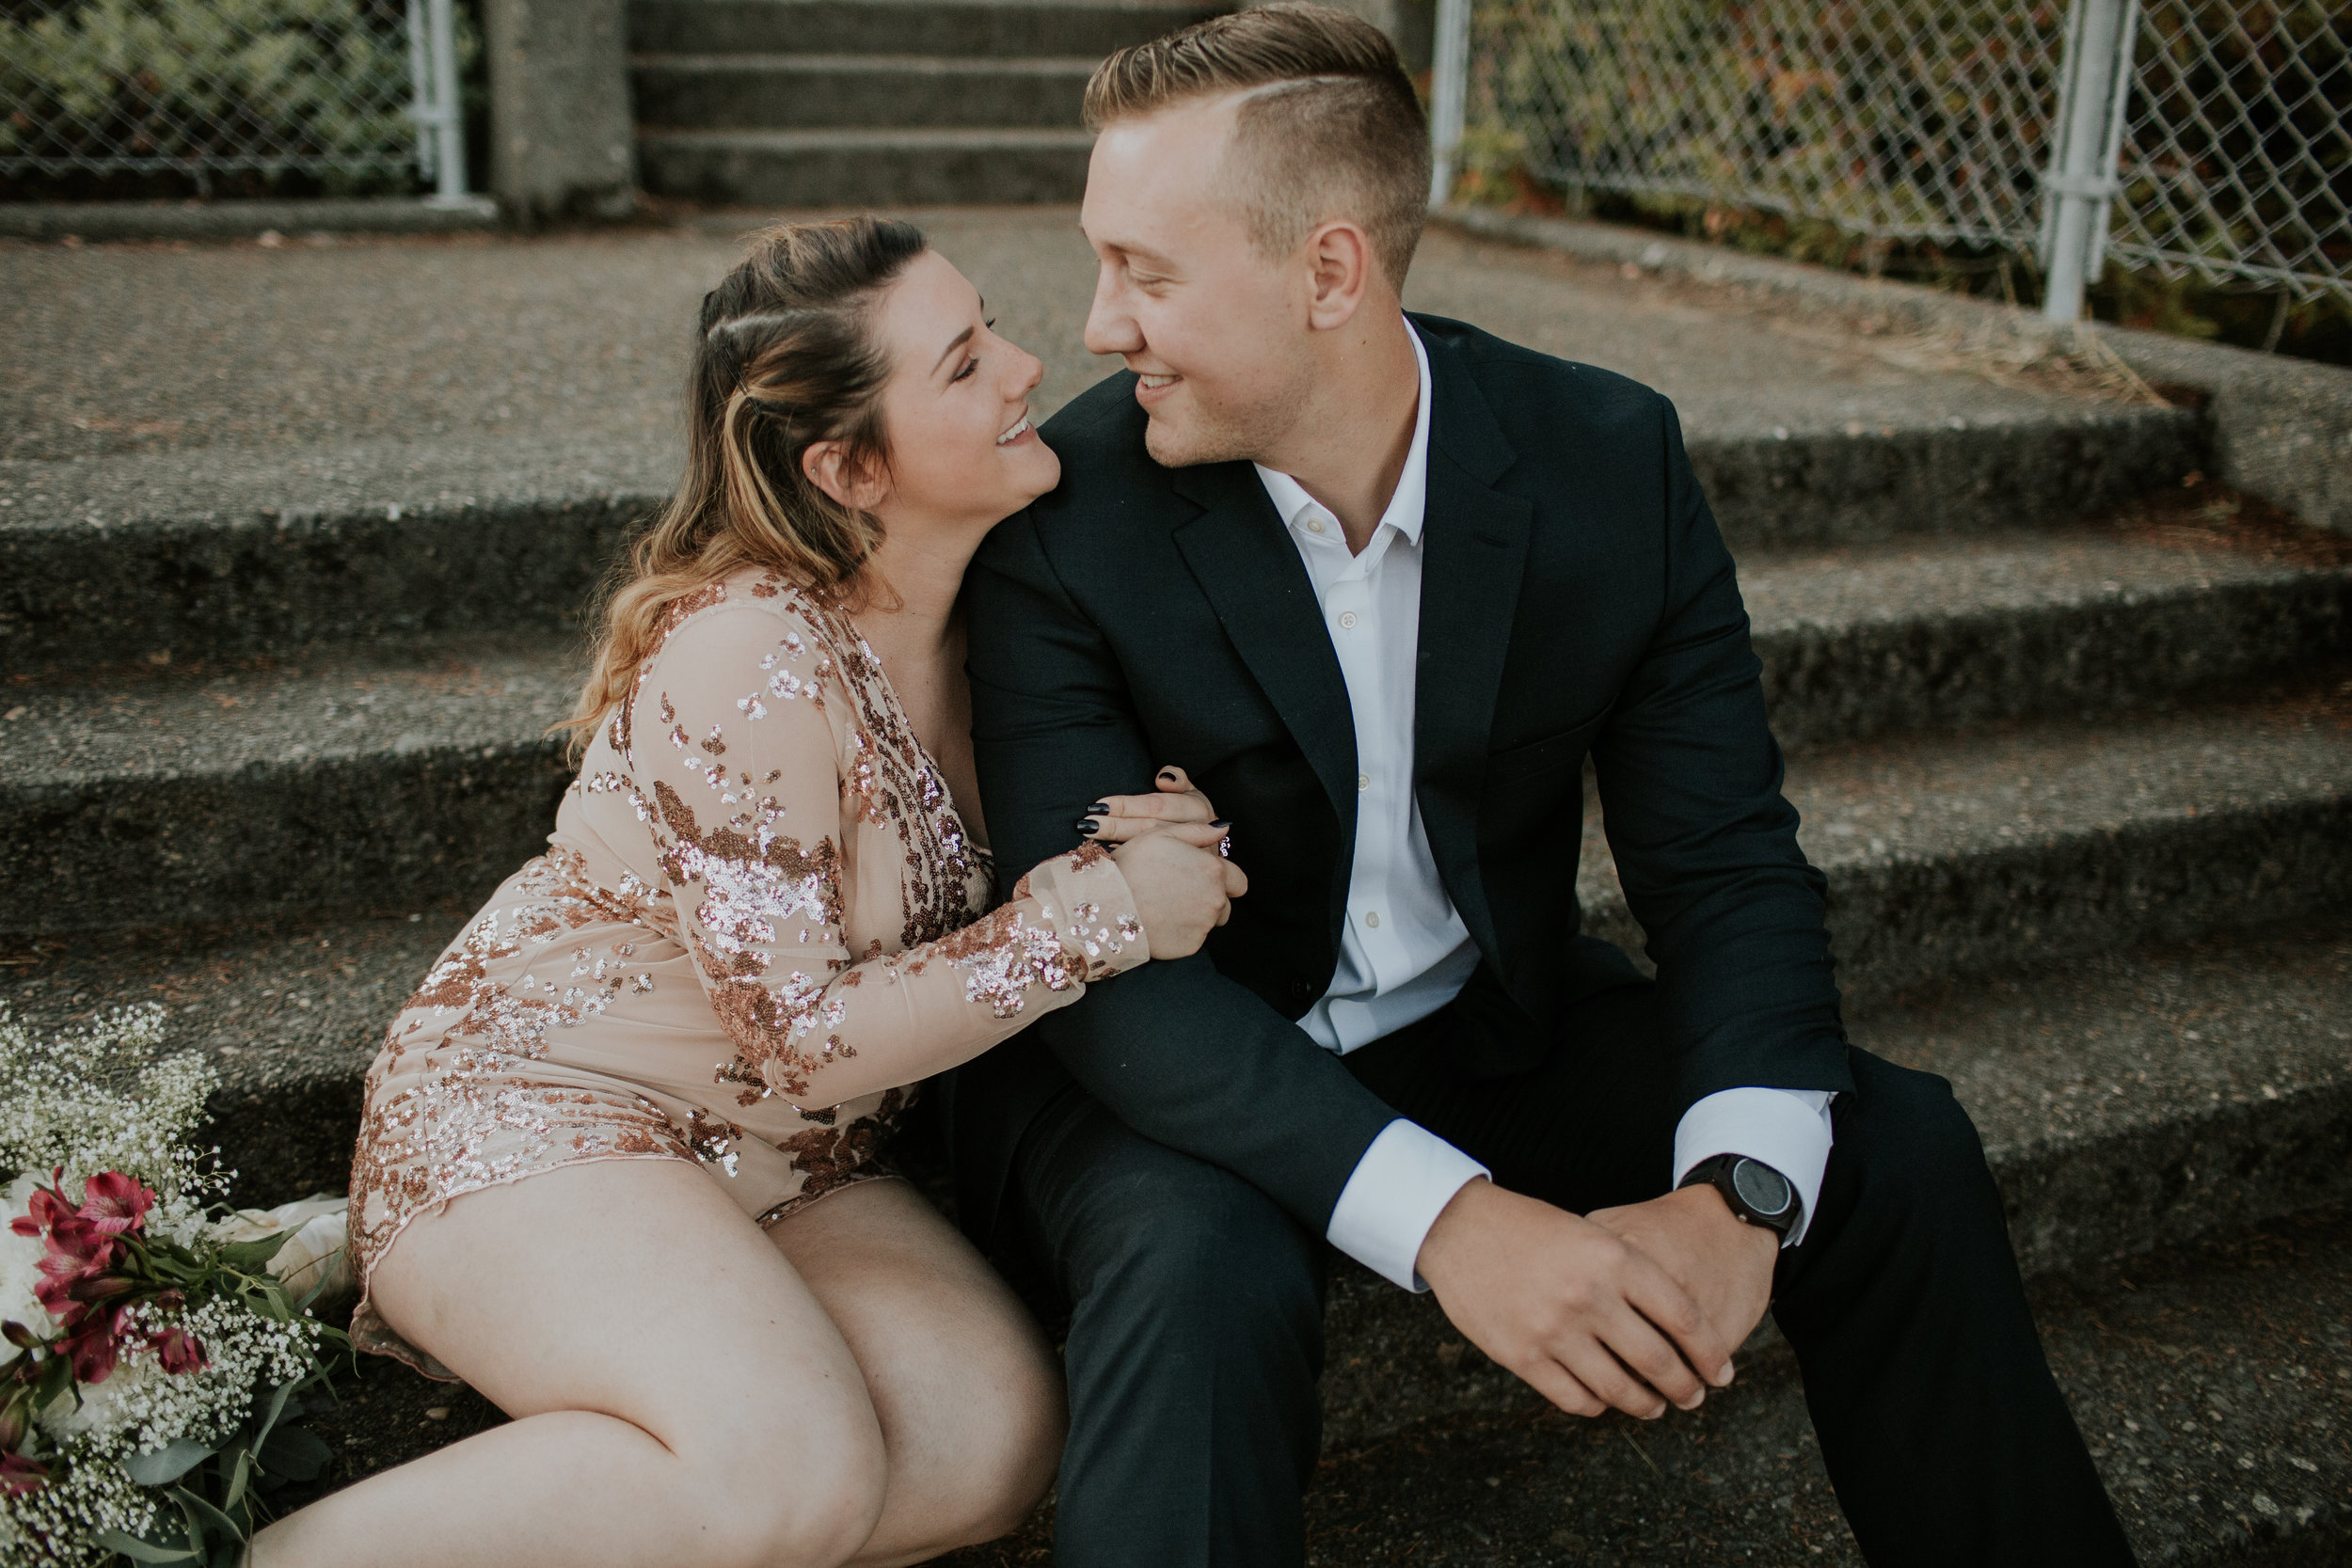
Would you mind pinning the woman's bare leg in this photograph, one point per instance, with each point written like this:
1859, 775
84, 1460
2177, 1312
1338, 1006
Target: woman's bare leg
680, 1396
968, 1391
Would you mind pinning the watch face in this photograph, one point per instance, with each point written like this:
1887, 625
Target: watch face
1761, 1188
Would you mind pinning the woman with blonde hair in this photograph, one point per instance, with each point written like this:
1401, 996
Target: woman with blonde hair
623, 1163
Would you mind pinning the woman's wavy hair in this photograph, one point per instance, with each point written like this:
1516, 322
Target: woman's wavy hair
785, 356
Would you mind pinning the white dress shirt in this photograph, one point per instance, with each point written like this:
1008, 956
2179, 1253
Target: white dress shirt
1404, 952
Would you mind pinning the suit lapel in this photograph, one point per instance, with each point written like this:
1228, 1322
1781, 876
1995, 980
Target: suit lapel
1249, 570
1474, 543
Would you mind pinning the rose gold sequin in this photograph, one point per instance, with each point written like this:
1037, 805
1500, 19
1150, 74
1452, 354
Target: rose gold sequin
689, 967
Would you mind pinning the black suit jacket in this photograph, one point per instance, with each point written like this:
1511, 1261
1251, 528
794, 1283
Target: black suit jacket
1577, 600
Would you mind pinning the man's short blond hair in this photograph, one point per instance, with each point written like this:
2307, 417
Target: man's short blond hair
1330, 127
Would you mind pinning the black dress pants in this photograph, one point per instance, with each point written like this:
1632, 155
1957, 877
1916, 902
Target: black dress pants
1196, 1309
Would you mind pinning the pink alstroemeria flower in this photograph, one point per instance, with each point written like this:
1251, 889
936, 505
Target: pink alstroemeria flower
92, 1345
116, 1204
18, 1474
178, 1351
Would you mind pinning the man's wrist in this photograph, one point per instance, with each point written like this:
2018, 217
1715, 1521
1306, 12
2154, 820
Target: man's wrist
1701, 1197
1451, 1230
1752, 1190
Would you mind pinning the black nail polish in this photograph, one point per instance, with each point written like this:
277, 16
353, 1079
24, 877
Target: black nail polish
1087, 826
1168, 772
1220, 822
1100, 808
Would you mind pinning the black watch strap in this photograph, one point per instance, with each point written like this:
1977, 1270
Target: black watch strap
1755, 1191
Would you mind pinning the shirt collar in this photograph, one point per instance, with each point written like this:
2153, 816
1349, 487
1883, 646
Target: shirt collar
1409, 505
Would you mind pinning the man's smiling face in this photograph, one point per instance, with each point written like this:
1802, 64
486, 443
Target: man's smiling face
1217, 330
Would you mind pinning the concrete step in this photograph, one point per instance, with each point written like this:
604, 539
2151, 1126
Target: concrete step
1088, 29
225, 551
1969, 854
1945, 633
2214, 1386
145, 795
1807, 467
928, 165
340, 783
290, 1015
750, 92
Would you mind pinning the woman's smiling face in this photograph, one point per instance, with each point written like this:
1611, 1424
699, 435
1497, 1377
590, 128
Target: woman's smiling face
956, 408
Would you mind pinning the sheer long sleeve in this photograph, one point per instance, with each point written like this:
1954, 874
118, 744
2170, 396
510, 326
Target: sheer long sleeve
763, 774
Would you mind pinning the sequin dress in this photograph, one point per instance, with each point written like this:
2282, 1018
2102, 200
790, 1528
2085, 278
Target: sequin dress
759, 922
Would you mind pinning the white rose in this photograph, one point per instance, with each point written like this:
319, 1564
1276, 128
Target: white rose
106, 1407
319, 1248
20, 1261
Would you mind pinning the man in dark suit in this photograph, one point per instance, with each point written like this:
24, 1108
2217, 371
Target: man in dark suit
1380, 586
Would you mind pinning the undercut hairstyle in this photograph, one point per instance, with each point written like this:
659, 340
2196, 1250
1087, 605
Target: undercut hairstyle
1330, 126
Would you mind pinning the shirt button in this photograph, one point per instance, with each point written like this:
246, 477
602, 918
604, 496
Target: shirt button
1372, 918
1314, 525
1363, 780
1347, 620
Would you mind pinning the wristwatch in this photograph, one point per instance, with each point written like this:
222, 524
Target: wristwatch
1758, 1194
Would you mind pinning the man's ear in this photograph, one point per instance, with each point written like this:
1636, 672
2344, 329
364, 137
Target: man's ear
1340, 256
859, 486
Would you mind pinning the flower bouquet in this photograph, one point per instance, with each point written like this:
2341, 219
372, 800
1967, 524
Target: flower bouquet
156, 1343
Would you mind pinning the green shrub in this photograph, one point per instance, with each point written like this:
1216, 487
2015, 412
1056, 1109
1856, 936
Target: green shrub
205, 89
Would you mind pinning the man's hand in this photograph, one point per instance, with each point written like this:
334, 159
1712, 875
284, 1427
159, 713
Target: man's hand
1584, 1317
1724, 1263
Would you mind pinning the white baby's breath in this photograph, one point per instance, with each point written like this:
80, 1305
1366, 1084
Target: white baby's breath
98, 1098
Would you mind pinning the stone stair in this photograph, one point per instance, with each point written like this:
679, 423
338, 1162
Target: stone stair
2071, 731
853, 103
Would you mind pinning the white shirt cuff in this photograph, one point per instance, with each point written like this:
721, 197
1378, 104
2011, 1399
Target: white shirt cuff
1786, 1129
1399, 1188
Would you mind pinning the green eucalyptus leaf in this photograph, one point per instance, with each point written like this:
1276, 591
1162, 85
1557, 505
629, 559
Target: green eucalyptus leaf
202, 1515
242, 1473
141, 1551
161, 1467
189, 1503
253, 1257
54, 1382
277, 1407
296, 1454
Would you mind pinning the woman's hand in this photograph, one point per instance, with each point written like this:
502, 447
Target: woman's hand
1125, 818
1183, 887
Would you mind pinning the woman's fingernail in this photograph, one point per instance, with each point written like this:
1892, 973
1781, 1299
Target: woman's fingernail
1100, 808
1220, 822
1726, 1377
1086, 827
1168, 772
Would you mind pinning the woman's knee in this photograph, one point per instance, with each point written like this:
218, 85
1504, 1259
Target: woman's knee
1011, 1438
790, 1497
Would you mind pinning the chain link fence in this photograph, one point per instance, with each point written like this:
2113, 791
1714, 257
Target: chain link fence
2228, 125
203, 97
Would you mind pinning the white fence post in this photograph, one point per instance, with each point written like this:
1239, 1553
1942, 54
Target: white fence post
1449, 89
2097, 84
440, 117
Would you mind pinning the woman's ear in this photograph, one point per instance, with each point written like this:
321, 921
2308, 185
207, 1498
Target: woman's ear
859, 486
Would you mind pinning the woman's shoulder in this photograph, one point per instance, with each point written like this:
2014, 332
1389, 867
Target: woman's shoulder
756, 615
750, 641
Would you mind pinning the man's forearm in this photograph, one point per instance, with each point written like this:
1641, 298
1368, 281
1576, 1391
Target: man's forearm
1196, 1061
